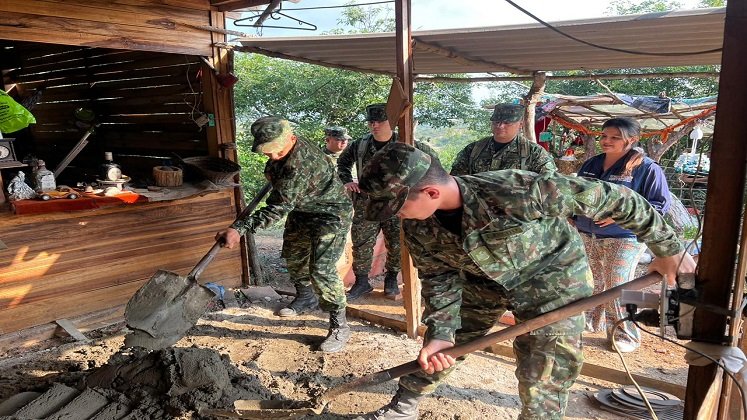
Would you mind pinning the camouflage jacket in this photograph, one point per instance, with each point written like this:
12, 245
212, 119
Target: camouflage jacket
481, 156
333, 155
351, 156
515, 232
304, 181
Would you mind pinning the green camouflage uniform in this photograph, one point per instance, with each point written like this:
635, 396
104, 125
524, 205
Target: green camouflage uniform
332, 155
481, 156
305, 188
516, 252
364, 232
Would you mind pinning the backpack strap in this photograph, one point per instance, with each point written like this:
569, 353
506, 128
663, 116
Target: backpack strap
477, 150
362, 148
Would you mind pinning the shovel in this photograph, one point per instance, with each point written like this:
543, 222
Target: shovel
167, 305
288, 409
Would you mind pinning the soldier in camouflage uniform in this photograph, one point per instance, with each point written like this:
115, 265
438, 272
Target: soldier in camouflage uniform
306, 189
495, 241
336, 139
505, 149
364, 232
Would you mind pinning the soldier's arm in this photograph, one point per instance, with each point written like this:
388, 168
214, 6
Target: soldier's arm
461, 162
566, 196
346, 161
441, 292
278, 205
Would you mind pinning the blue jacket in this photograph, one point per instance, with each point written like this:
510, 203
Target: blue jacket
647, 180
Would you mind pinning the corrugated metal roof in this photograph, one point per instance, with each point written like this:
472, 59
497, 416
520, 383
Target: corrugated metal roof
521, 48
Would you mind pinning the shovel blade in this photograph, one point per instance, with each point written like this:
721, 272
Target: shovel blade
163, 309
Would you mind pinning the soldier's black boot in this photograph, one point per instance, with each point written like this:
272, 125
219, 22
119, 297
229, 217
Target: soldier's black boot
391, 289
360, 288
305, 300
404, 406
339, 332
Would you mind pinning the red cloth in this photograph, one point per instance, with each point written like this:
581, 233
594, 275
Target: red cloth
87, 202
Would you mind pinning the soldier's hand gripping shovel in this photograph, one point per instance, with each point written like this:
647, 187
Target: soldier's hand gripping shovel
167, 305
288, 409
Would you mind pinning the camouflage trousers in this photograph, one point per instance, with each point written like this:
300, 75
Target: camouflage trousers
547, 364
312, 245
364, 233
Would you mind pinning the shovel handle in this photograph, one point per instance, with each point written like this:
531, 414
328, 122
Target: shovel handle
202, 265
508, 333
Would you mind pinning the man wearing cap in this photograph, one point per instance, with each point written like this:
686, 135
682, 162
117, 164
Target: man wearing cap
364, 232
337, 140
500, 240
505, 149
307, 190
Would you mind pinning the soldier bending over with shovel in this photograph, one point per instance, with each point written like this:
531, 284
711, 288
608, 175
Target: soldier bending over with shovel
494, 241
306, 188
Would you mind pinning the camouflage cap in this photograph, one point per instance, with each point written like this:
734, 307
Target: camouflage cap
271, 134
340, 133
388, 177
376, 112
509, 113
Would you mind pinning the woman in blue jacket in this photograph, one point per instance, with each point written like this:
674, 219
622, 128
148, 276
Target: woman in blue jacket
612, 250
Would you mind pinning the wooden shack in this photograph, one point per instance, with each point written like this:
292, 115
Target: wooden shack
146, 71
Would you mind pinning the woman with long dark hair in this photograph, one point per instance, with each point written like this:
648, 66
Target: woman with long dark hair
612, 250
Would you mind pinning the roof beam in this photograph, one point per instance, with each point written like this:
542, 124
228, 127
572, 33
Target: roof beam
230, 5
419, 44
257, 50
684, 74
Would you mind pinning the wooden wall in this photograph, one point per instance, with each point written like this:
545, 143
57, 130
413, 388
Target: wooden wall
145, 25
64, 265
136, 64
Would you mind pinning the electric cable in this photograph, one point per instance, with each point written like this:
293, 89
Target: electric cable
627, 370
603, 47
731, 375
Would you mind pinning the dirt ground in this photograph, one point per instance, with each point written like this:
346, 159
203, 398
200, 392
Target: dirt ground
273, 357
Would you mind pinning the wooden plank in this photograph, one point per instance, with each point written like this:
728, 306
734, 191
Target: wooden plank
39, 277
28, 27
87, 322
70, 329
724, 205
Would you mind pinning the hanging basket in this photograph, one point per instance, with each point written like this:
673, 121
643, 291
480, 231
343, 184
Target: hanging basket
216, 170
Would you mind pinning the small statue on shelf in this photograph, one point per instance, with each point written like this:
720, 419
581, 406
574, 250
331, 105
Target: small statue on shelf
18, 189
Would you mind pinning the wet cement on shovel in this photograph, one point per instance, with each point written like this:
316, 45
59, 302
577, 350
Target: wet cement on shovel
161, 312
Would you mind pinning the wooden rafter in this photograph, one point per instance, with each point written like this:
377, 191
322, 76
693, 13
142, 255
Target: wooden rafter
687, 74
231, 5
419, 44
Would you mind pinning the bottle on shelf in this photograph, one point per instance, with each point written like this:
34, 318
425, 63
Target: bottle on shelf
43, 178
110, 171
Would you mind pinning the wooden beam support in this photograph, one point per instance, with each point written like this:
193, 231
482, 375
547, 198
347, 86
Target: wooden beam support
257, 50
403, 32
724, 204
590, 77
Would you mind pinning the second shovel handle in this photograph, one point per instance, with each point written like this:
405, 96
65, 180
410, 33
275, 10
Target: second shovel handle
202, 265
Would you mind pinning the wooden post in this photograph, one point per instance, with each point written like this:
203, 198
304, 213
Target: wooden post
411, 292
724, 203
530, 100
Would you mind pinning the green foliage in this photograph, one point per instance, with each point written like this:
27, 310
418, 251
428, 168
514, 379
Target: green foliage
630, 7
674, 87
448, 141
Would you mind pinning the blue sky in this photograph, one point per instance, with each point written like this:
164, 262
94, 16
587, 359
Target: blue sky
445, 14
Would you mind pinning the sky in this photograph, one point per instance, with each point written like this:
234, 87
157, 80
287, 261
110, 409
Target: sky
442, 14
